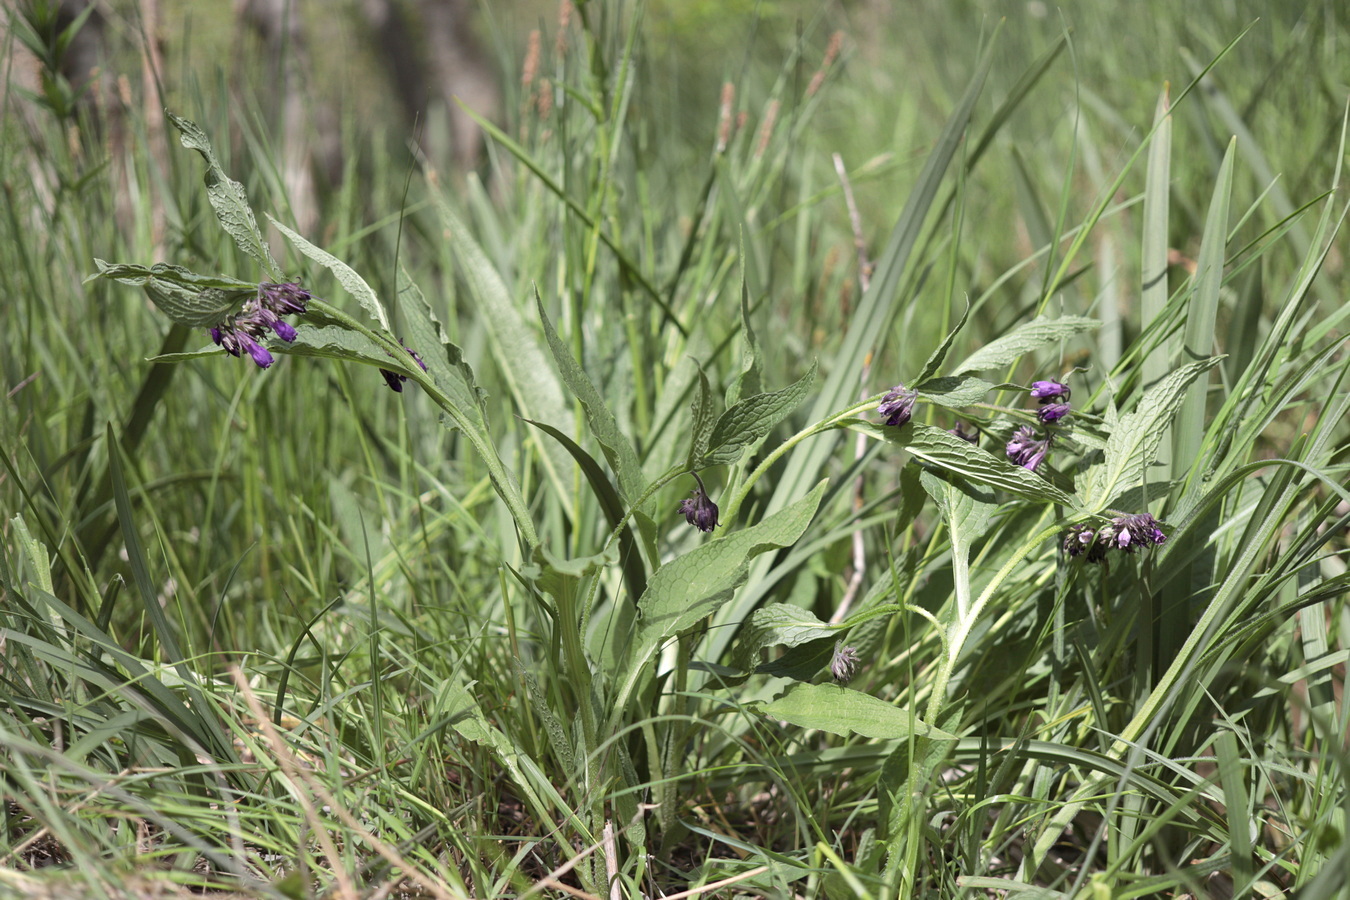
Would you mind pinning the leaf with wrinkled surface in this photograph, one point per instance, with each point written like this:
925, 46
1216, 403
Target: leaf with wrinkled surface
346, 276
838, 710
1136, 437
751, 419
1011, 347
227, 197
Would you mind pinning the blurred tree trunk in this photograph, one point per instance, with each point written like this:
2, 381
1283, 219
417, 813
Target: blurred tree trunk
429, 74
278, 25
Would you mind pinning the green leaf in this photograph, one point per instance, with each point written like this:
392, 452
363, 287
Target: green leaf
1201, 316
446, 363
1135, 439
1033, 335
838, 710
610, 503
779, 624
1153, 250
751, 419
955, 392
614, 443
939, 355
701, 420
521, 361
227, 198
183, 296
749, 381
947, 451
691, 586
346, 276
334, 342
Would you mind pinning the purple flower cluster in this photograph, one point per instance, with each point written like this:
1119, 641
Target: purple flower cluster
1027, 448
844, 662
1126, 533
898, 405
242, 332
699, 510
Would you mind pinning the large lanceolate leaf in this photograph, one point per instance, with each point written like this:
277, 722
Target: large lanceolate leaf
838, 710
446, 362
1135, 440
227, 198
618, 450
690, 587
947, 451
1011, 347
521, 359
751, 419
346, 276
186, 297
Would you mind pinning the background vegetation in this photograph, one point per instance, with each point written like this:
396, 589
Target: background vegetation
282, 633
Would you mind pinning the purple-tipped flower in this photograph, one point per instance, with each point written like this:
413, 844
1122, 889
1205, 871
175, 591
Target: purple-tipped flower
1045, 391
1053, 412
898, 405
699, 510
255, 349
844, 663
1026, 449
284, 299
1131, 532
242, 332
971, 437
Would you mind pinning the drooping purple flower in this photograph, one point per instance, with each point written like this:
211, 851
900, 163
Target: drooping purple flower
1083, 539
699, 510
394, 379
255, 349
1053, 412
285, 299
898, 405
972, 437
1045, 391
1026, 449
1131, 532
844, 663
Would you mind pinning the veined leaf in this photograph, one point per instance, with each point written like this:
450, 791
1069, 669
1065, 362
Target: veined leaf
838, 710
1011, 347
1136, 437
227, 198
751, 419
346, 276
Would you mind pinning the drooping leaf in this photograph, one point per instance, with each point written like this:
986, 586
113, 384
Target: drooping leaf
444, 359
184, 296
779, 624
